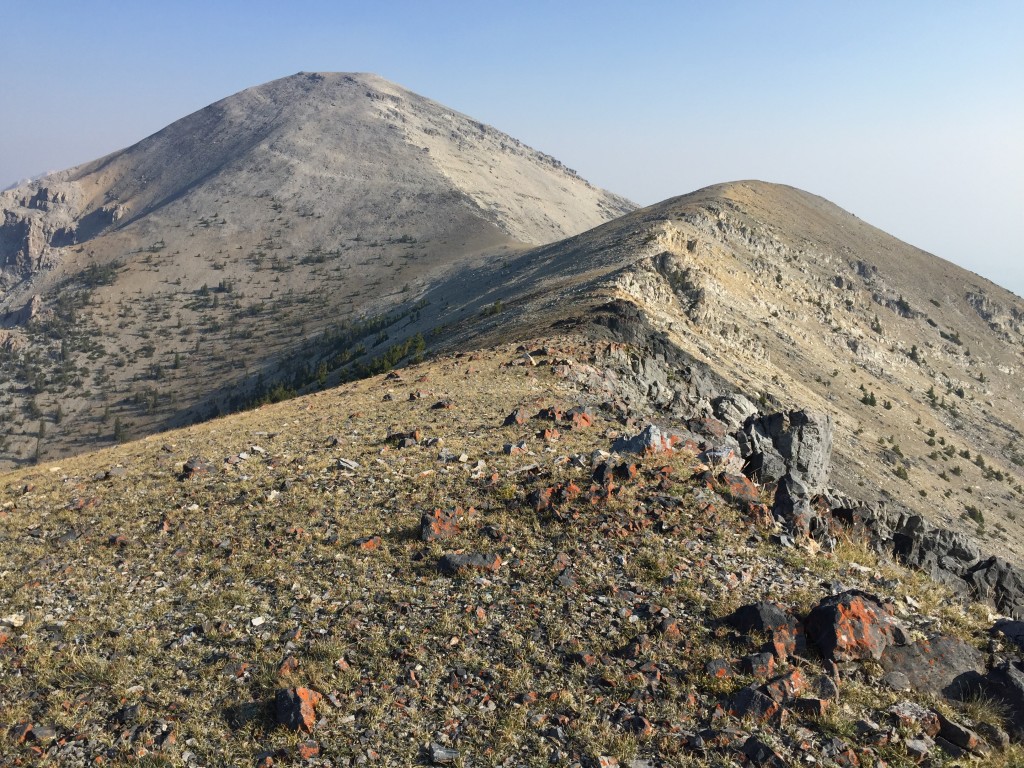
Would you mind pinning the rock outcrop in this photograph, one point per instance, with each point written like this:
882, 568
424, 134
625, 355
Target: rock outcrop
34, 220
948, 557
794, 451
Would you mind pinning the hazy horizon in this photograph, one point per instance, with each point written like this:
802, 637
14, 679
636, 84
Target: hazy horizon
908, 116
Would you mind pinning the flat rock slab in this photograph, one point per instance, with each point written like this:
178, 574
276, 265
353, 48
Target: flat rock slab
454, 564
940, 664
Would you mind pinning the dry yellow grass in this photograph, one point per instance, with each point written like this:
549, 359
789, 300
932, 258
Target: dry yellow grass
185, 596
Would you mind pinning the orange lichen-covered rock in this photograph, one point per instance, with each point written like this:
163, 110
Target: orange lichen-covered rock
444, 524
852, 626
296, 708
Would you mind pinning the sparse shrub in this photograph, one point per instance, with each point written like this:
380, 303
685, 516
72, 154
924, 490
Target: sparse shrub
506, 491
492, 310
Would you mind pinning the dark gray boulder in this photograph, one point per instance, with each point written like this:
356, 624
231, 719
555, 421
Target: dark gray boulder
941, 664
1012, 630
1006, 682
734, 410
999, 584
799, 442
793, 450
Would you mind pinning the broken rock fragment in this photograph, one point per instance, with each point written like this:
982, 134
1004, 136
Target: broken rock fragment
296, 708
440, 755
650, 441
443, 524
459, 563
785, 634
195, 466
516, 418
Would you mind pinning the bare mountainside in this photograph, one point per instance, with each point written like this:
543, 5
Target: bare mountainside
140, 287
224, 297
786, 298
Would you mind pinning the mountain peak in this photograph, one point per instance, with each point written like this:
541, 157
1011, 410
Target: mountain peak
343, 141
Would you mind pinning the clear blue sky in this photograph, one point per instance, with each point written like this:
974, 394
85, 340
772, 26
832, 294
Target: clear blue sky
908, 114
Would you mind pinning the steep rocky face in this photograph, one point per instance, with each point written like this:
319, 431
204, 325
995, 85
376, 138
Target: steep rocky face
23, 241
36, 221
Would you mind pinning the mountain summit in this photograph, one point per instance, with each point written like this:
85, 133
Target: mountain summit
293, 205
348, 150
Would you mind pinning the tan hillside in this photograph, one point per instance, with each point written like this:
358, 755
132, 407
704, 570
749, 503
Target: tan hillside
152, 286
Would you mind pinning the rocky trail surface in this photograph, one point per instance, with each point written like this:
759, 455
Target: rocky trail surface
485, 559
